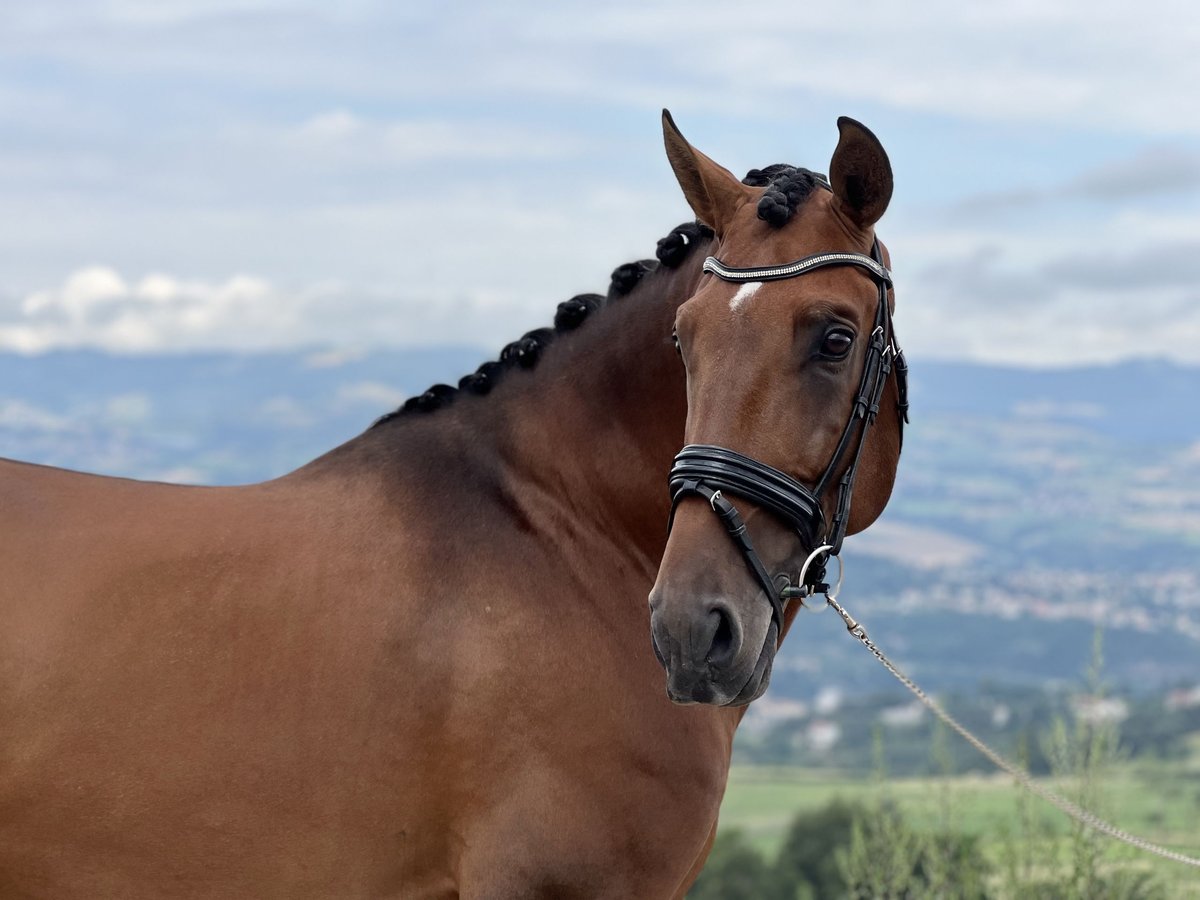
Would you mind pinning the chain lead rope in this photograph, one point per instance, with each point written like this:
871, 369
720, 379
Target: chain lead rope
1022, 777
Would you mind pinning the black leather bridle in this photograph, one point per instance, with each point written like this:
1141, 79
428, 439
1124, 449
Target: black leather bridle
709, 471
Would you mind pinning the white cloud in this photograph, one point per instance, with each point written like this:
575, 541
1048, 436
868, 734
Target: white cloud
1030, 299
1072, 330
371, 393
331, 126
1016, 278
1028, 296
128, 409
286, 412
1097, 65
334, 357
353, 140
20, 416
1102, 64
97, 307
83, 291
1158, 170
394, 175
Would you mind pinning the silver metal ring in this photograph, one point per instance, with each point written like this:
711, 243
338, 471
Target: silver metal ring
808, 562
837, 588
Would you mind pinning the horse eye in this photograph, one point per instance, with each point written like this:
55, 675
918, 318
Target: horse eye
675, 341
837, 343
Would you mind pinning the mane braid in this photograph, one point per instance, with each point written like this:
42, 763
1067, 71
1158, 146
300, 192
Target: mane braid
786, 188
525, 352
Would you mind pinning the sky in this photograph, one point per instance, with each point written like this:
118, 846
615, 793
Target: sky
179, 175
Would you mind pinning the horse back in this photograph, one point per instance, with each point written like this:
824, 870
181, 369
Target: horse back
190, 686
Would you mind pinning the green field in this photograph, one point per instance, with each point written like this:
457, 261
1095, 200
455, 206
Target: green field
1157, 801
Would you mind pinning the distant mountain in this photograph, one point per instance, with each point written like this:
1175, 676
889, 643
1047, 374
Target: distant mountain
1030, 504
210, 418
1139, 402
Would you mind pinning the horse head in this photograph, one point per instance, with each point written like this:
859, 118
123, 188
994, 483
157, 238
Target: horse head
790, 359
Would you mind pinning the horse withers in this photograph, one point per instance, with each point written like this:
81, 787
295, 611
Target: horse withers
423, 664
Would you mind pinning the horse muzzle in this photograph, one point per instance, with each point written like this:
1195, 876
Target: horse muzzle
709, 655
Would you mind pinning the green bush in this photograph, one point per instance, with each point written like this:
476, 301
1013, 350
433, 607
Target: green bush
734, 871
809, 855
845, 850
888, 860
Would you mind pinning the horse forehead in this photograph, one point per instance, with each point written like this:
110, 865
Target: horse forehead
742, 310
815, 227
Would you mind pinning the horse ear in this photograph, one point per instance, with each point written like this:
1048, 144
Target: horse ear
860, 174
712, 191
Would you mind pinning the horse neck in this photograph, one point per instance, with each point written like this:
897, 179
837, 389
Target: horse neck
589, 431
600, 418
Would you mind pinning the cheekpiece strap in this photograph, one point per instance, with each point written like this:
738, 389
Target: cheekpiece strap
736, 528
799, 267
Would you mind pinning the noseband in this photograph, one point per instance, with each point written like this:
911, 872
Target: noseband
709, 472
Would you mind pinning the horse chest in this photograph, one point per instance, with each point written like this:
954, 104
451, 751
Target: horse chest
558, 768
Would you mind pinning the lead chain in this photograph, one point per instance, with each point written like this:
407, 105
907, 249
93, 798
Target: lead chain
1022, 777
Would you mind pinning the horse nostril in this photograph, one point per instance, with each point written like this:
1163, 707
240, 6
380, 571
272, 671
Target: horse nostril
724, 640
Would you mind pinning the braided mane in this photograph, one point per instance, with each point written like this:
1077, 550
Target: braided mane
524, 352
785, 189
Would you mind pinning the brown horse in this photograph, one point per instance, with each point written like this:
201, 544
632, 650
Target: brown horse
421, 665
